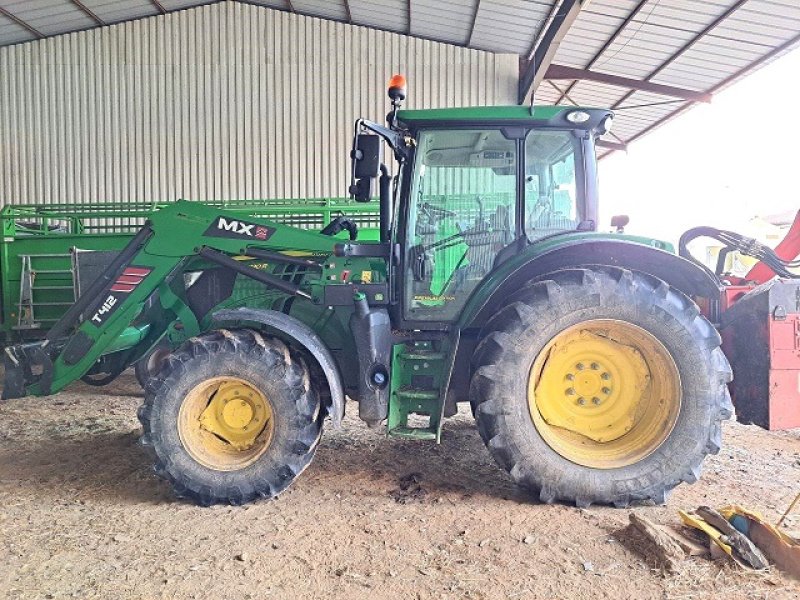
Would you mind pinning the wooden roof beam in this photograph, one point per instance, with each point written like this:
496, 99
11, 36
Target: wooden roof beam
570, 73
625, 22
533, 71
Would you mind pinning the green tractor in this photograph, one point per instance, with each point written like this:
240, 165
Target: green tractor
591, 372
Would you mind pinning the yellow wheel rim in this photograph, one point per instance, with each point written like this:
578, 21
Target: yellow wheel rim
225, 423
604, 393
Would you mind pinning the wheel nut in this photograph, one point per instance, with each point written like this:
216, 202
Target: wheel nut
595, 401
605, 376
570, 392
594, 366
570, 376
606, 391
581, 401
579, 366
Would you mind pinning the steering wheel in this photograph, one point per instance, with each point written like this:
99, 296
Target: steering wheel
435, 213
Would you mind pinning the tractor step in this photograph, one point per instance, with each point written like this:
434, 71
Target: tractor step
418, 401
422, 356
414, 433
416, 378
416, 395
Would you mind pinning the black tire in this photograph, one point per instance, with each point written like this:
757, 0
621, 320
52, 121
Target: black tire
270, 366
535, 315
149, 365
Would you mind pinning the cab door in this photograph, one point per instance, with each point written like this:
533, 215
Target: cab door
461, 212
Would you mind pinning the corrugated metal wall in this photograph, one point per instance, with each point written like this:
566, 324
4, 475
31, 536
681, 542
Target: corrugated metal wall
224, 101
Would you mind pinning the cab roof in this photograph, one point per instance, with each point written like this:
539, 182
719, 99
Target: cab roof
553, 116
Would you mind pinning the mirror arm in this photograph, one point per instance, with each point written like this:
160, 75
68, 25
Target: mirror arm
394, 138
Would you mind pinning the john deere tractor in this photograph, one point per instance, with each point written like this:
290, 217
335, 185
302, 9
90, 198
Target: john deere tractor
592, 374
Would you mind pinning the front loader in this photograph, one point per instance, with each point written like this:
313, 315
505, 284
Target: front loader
591, 372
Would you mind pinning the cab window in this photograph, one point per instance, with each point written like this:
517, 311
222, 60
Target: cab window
461, 214
551, 198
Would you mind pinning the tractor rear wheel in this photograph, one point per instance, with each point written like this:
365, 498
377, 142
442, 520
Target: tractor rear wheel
600, 386
232, 416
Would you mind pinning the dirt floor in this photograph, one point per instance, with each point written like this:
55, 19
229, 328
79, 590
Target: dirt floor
82, 516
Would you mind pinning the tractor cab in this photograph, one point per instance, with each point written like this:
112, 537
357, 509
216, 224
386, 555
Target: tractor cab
473, 186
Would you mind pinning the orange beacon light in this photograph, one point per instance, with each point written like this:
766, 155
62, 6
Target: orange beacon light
397, 88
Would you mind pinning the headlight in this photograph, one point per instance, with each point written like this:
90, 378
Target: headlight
605, 125
578, 116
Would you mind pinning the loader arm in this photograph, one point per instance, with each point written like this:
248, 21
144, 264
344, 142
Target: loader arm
175, 237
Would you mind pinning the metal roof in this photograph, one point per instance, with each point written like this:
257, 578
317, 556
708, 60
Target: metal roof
650, 60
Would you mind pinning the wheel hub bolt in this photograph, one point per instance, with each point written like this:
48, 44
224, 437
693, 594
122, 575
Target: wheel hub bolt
581, 401
570, 392
606, 391
579, 366
605, 376
595, 401
594, 366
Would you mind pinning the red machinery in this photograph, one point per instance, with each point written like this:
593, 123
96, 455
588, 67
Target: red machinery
760, 327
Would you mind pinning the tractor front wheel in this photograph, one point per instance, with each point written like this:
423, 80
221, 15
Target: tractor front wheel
231, 416
149, 365
600, 386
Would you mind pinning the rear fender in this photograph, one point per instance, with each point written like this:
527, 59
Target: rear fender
678, 272
298, 335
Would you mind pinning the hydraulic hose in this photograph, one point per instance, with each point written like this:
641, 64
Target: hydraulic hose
745, 245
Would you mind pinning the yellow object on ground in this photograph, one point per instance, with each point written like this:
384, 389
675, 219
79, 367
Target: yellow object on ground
712, 532
604, 393
779, 547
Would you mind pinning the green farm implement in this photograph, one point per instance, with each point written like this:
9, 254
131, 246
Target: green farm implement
591, 372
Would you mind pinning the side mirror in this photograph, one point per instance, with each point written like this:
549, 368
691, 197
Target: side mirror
366, 164
366, 156
619, 222
361, 191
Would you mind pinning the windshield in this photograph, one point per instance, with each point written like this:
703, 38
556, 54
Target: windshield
551, 191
